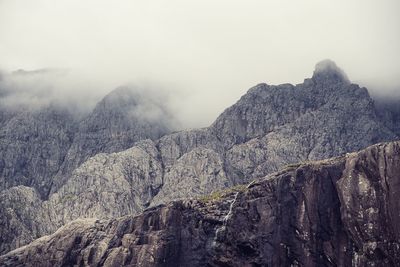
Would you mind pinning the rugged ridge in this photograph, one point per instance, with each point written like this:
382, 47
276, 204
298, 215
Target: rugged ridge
33, 145
40, 146
120, 119
338, 212
268, 128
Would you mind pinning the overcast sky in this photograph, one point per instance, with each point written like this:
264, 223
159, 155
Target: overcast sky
210, 51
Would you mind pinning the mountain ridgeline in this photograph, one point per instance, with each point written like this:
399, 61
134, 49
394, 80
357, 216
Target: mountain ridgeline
116, 161
41, 146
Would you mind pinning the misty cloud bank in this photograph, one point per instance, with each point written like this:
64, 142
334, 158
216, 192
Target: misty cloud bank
43, 87
37, 89
198, 56
40, 88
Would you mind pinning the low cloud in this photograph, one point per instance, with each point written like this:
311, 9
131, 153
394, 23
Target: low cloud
42, 87
204, 54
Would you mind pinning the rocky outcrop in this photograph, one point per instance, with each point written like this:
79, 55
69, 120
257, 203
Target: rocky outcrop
268, 128
338, 212
21, 217
265, 108
33, 144
389, 111
120, 119
109, 185
197, 172
325, 116
40, 146
106, 186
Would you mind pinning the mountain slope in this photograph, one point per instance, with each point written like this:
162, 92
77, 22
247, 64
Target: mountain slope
41, 145
268, 128
120, 119
33, 144
338, 212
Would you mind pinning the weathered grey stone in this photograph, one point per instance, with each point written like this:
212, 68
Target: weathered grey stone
21, 217
268, 128
338, 212
40, 146
197, 172
120, 119
33, 144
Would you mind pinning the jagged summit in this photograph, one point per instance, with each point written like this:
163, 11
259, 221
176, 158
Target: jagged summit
123, 95
101, 166
328, 70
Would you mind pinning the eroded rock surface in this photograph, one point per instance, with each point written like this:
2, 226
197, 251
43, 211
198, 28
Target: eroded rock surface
338, 212
33, 144
268, 128
120, 119
40, 146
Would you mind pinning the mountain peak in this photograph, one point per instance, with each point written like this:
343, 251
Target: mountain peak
328, 70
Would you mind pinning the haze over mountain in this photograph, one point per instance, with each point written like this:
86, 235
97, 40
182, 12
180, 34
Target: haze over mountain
43, 143
197, 52
120, 159
184, 133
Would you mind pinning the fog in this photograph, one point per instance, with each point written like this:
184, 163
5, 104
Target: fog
41, 87
203, 54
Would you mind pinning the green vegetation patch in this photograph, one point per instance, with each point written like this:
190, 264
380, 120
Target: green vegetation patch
218, 195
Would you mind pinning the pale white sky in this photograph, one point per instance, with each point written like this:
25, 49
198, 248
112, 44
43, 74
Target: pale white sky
210, 51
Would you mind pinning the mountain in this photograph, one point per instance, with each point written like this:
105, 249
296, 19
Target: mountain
40, 146
120, 119
342, 211
268, 128
389, 111
33, 144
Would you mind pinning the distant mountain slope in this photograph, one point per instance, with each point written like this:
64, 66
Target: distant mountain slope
337, 212
120, 119
33, 144
389, 111
40, 146
268, 128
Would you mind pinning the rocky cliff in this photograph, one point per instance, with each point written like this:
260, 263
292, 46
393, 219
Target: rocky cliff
120, 119
33, 144
268, 128
338, 212
40, 145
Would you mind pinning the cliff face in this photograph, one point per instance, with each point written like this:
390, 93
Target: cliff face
338, 212
33, 144
388, 110
268, 128
120, 119
40, 146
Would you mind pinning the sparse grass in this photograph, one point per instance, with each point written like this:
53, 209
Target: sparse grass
292, 165
218, 195
68, 197
296, 165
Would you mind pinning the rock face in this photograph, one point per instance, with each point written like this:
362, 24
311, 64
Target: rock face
21, 217
33, 144
268, 128
122, 118
41, 146
338, 212
389, 111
